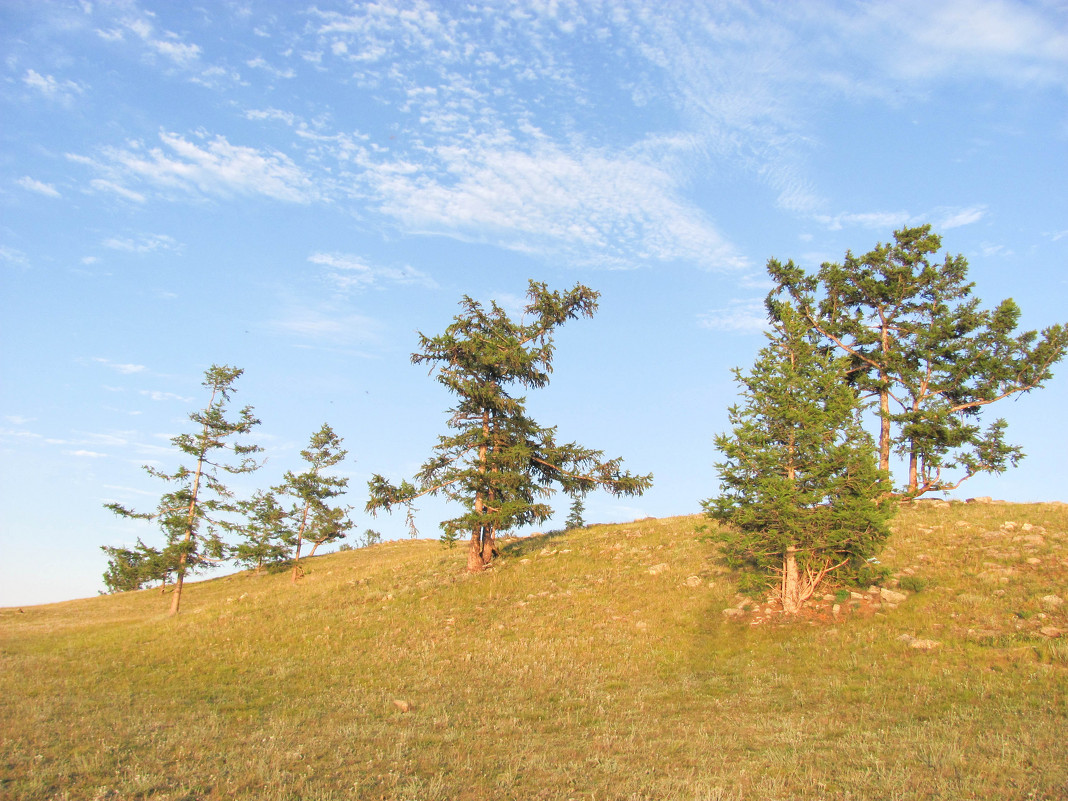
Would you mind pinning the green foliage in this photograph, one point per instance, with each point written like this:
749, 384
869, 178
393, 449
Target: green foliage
920, 345
371, 537
500, 465
311, 517
194, 515
799, 484
575, 519
134, 568
913, 583
268, 542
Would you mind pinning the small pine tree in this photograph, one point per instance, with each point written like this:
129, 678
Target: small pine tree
801, 491
311, 517
574, 519
268, 543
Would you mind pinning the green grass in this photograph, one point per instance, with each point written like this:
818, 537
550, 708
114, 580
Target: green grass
570, 670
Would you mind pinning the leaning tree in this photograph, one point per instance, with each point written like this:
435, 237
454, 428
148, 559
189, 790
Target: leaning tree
498, 463
194, 514
925, 351
800, 490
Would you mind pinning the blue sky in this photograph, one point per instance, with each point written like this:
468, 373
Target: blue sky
298, 189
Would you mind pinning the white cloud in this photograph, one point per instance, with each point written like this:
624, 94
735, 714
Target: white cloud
740, 317
328, 324
353, 273
880, 220
86, 454
609, 210
13, 256
125, 369
212, 167
47, 85
110, 186
957, 218
164, 396
39, 187
146, 243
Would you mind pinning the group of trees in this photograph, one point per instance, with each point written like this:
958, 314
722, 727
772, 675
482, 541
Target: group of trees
200, 509
806, 490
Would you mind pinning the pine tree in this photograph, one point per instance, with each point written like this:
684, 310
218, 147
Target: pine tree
500, 464
268, 542
311, 517
194, 515
800, 490
574, 518
132, 568
922, 347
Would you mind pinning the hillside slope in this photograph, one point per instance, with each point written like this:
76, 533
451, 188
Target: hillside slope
594, 664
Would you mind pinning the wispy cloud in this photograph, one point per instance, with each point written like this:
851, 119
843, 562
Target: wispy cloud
40, 187
955, 218
739, 317
47, 85
347, 272
164, 396
125, 369
145, 243
211, 166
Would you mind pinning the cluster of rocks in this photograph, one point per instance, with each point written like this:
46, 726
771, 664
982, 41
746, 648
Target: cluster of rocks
827, 608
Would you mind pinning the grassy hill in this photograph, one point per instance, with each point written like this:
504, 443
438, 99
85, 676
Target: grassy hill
596, 664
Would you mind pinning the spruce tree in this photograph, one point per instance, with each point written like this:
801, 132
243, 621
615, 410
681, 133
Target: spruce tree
800, 490
925, 351
196, 512
499, 464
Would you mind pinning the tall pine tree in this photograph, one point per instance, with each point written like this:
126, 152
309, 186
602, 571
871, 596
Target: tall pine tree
499, 464
925, 351
800, 490
195, 513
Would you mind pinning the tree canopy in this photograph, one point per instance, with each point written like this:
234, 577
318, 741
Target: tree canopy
925, 351
499, 464
799, 485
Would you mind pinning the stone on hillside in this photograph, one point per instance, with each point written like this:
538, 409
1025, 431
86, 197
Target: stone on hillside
693, 581
733, 612
890, 596
656, 570
1050, 631
924, 645
1051, 601
402, 705
981, 499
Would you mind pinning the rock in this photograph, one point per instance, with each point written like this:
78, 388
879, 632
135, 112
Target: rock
982, 499
1050, 631
732, 612
693, 581
1051, 601
836, 609
856, 596
924, 645
890, 596
656, 570
402, 705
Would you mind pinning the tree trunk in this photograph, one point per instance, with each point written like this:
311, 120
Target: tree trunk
884, 429
791, 583
474, 551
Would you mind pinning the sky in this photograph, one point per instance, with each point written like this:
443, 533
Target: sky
299, 189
